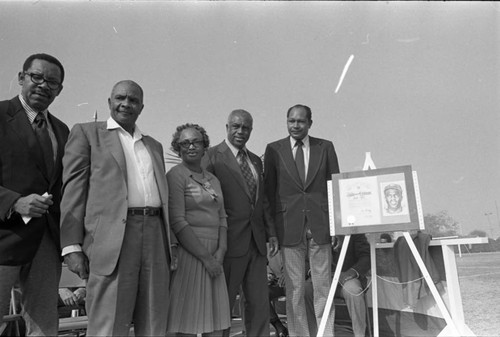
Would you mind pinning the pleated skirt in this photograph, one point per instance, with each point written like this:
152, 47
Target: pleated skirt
198, 303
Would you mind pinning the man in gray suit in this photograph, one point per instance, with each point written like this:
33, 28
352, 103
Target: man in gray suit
240, 174
114, 221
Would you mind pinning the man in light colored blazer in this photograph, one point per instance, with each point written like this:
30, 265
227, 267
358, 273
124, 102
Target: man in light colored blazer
29, 219
296, 170
245, 262
114, 222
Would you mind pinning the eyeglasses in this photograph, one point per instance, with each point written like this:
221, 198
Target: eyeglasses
186, 144
39, 79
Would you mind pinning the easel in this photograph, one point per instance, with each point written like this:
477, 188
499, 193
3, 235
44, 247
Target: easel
453, 327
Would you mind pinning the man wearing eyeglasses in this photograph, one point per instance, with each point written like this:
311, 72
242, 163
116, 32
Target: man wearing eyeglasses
114, 219
31, 148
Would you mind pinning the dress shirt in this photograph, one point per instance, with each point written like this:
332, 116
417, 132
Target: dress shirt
141, 182
31, 113
307, 150
235, 151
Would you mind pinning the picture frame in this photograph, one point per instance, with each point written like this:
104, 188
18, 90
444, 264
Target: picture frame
374, 201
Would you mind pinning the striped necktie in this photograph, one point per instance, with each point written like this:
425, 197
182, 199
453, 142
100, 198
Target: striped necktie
247, 173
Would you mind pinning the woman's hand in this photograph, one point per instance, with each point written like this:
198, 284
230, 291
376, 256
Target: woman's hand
219, 255
213, 267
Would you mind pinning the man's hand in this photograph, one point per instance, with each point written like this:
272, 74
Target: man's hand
273, 246
67, 296
174, 259
80, 294
78, 263
33, 205
347, 275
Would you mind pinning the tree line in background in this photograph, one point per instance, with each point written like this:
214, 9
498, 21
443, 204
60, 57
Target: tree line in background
441, 224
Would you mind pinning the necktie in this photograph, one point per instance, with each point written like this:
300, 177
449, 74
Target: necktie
299, 161
40, 128
247, 173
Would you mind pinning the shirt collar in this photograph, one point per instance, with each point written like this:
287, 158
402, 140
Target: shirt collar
305, 141
113, 125
30, 111
235, 150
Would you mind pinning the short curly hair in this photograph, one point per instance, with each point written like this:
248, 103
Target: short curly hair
177, 134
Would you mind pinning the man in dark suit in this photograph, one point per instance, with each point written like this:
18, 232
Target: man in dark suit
296, 170
31, 148
114, 219
352, 283
240, 175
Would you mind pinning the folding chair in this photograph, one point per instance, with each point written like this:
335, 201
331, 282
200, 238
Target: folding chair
12, 321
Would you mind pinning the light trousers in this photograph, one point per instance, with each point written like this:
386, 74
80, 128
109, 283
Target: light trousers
351, 292
320, 261
137, 290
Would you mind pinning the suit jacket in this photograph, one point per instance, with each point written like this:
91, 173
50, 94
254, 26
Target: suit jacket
245, 219
94, 204
289, 202
23, 172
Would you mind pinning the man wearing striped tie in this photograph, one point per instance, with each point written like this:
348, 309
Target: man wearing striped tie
32, 143
240, 174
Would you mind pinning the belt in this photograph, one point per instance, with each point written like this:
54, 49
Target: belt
144, 211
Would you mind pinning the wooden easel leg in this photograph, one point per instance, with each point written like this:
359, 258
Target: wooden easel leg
373, 259
335, 281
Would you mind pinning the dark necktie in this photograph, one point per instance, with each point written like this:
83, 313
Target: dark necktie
247, 173
40, 127
299, 161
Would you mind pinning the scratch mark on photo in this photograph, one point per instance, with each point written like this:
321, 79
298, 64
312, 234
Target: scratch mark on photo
346, 67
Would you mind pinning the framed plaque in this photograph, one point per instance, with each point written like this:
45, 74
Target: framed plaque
372, 201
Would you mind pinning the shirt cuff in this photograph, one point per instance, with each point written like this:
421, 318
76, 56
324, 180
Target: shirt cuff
71, 249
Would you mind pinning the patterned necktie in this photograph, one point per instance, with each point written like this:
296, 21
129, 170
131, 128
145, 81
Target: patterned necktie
247, 173
299, 161
40, 128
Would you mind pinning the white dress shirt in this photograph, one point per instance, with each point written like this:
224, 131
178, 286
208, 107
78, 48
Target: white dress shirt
141, 182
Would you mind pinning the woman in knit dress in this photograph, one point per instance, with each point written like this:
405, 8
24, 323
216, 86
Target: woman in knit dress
199, 301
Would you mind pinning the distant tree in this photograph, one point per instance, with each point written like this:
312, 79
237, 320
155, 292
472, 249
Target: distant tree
441, 224
477, 232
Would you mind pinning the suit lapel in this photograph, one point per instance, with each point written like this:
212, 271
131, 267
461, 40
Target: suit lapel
112, 142
232, 166
287, 157
314, 160
159, 170
60, 149
156, 158
21, 125
257, 165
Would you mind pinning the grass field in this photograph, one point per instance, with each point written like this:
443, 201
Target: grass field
479, 277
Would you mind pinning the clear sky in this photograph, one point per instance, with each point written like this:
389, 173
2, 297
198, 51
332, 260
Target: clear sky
422, 89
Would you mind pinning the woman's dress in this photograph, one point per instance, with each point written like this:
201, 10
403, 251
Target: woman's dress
198, 303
